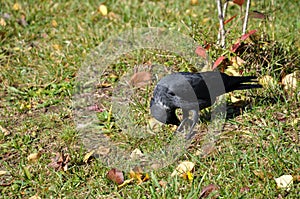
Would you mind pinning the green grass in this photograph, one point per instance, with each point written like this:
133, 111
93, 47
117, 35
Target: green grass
39, 64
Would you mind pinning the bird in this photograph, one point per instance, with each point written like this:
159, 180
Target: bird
192, 92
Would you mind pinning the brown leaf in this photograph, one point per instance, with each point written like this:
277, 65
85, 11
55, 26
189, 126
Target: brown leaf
141, 79
235, 46
115, 175
34, 157
60, 161
257, 15
201, 52
244, 189
239, 2
207, 190
230, 19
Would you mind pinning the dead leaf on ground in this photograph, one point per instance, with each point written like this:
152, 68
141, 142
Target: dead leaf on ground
136, 154
267, 81
137, 174
88, 156
201, 52
184, 170
34, 157
141, 79
284, 181
102, 10
290, 81
60, 161
208, 190
116, 176
4, 131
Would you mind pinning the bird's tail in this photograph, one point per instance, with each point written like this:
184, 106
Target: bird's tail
241, 83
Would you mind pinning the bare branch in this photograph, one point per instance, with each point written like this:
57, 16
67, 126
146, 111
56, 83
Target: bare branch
246, 17
221, 35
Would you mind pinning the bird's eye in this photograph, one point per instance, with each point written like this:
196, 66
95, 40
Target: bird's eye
171, 93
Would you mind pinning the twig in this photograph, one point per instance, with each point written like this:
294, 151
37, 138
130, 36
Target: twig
221, 35
246, 17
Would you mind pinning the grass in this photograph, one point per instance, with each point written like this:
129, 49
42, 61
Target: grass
41, 59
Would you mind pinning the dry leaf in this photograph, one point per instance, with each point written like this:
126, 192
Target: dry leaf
87, 156
290, 81
54, 23
60, 162
116, 176
2, 22
17, 7
137, 174
267, 81
163, 183
35, 197
34, 157
239, 2
126, 182
141, 79
207, 190
232, 71
2, 172
194, 2
183, 168
102, 10
284, 181
201, 52
4, 131
136, 154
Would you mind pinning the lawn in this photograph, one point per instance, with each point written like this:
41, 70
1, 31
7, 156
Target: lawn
46, 48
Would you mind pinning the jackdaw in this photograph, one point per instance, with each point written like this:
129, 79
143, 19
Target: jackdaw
193, 92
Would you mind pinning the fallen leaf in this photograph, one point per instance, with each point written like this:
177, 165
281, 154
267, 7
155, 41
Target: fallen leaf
102, 10
235, 46
284, 181
4, 131
17, 7
60, 161
136, 154
35, 197
163, 183
141, 79
2, 172
230, 19
208, 190
244, 189
183, 168
194, 2
290, 81
54, 23
231, 70
201, 52
267, 81
257, 15
22, 21
88, 156
34, 157
126, 182
116, 176
137, 174
2, 22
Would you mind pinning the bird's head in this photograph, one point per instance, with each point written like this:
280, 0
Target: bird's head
163, 113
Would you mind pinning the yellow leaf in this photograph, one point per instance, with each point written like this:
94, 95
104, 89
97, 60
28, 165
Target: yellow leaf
284, 181
103, 10
54, 23
126, 182
56, 47
34, 157
87, 156
17, 6
194, 2
231, 70
2, 22
183, 168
